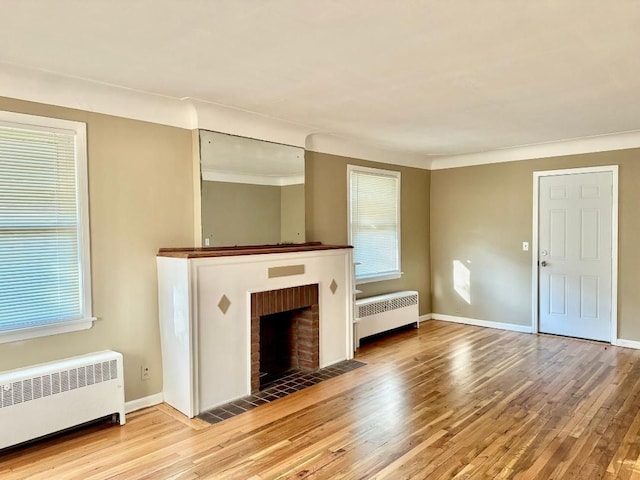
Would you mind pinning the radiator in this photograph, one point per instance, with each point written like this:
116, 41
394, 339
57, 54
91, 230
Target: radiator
384, 312
49, 397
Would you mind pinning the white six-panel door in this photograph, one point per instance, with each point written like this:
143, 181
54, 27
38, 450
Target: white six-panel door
575, 254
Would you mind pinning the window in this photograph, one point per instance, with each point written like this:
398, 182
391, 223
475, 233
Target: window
374, 223
44, 227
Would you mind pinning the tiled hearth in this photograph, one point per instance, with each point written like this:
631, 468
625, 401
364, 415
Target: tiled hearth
291, 383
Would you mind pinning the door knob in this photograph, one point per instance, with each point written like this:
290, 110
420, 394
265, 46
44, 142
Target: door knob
543, 263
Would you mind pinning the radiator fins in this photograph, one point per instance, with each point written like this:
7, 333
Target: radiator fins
57, 382
382, 306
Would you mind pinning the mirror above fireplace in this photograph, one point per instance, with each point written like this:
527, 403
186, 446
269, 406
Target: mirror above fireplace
252, 191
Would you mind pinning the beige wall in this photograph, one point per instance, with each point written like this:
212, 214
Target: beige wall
240, 213
481, 215
326, 218
292, 213
141, 198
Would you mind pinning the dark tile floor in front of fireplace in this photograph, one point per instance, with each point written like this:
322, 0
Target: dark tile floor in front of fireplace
294, 381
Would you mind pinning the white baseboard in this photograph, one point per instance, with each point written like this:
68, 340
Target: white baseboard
621, 342
482, 323
144, 402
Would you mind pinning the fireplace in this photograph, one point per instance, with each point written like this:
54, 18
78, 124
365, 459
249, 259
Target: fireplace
210, 302
284, 333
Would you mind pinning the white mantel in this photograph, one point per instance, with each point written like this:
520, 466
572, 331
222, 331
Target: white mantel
205, 350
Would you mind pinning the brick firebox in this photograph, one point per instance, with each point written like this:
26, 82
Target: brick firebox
305, 323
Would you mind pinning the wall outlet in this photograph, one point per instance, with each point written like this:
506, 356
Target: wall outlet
145, 372
525, 246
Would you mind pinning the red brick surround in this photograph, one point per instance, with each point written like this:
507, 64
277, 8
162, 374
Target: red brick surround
306, 325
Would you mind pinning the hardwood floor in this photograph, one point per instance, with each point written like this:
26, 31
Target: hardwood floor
444, 401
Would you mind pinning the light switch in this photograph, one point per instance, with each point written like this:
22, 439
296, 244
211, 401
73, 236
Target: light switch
525, 246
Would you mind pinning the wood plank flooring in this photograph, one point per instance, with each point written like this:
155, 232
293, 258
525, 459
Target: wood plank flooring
444, 401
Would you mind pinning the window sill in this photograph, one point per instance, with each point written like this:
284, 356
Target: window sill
46, 330
379, 278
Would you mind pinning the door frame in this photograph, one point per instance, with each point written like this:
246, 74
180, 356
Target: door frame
614, 241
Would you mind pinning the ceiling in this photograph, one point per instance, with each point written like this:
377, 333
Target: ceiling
424, 77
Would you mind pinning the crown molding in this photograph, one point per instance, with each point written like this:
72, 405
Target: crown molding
64, 91
52, 89
335, 145
70, 92
597, 143
223, 119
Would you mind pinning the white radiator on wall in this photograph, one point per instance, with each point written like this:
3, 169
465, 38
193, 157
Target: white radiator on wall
46, 398
384, 312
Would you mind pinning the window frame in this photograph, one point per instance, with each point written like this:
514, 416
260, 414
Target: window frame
380, 276
79, 131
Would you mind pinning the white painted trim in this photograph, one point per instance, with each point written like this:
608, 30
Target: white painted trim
82, 184
144, 402
482, 323
234, 121
614, 241
614, 252
379, 278
78, 130
53, 89
336, 145
46, 330
91, 96
65, 91
574, 146
620, 342
534, 254
424, 318
397, 175
41, 123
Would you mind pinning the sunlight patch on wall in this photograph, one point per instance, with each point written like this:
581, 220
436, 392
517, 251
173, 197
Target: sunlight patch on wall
462, 280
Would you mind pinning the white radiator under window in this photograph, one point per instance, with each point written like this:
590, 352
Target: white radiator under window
384, 312
49, 397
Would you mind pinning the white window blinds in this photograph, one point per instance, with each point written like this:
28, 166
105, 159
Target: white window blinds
43, 241
374, 212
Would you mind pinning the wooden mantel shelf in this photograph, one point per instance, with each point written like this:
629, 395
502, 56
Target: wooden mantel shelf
205, 252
